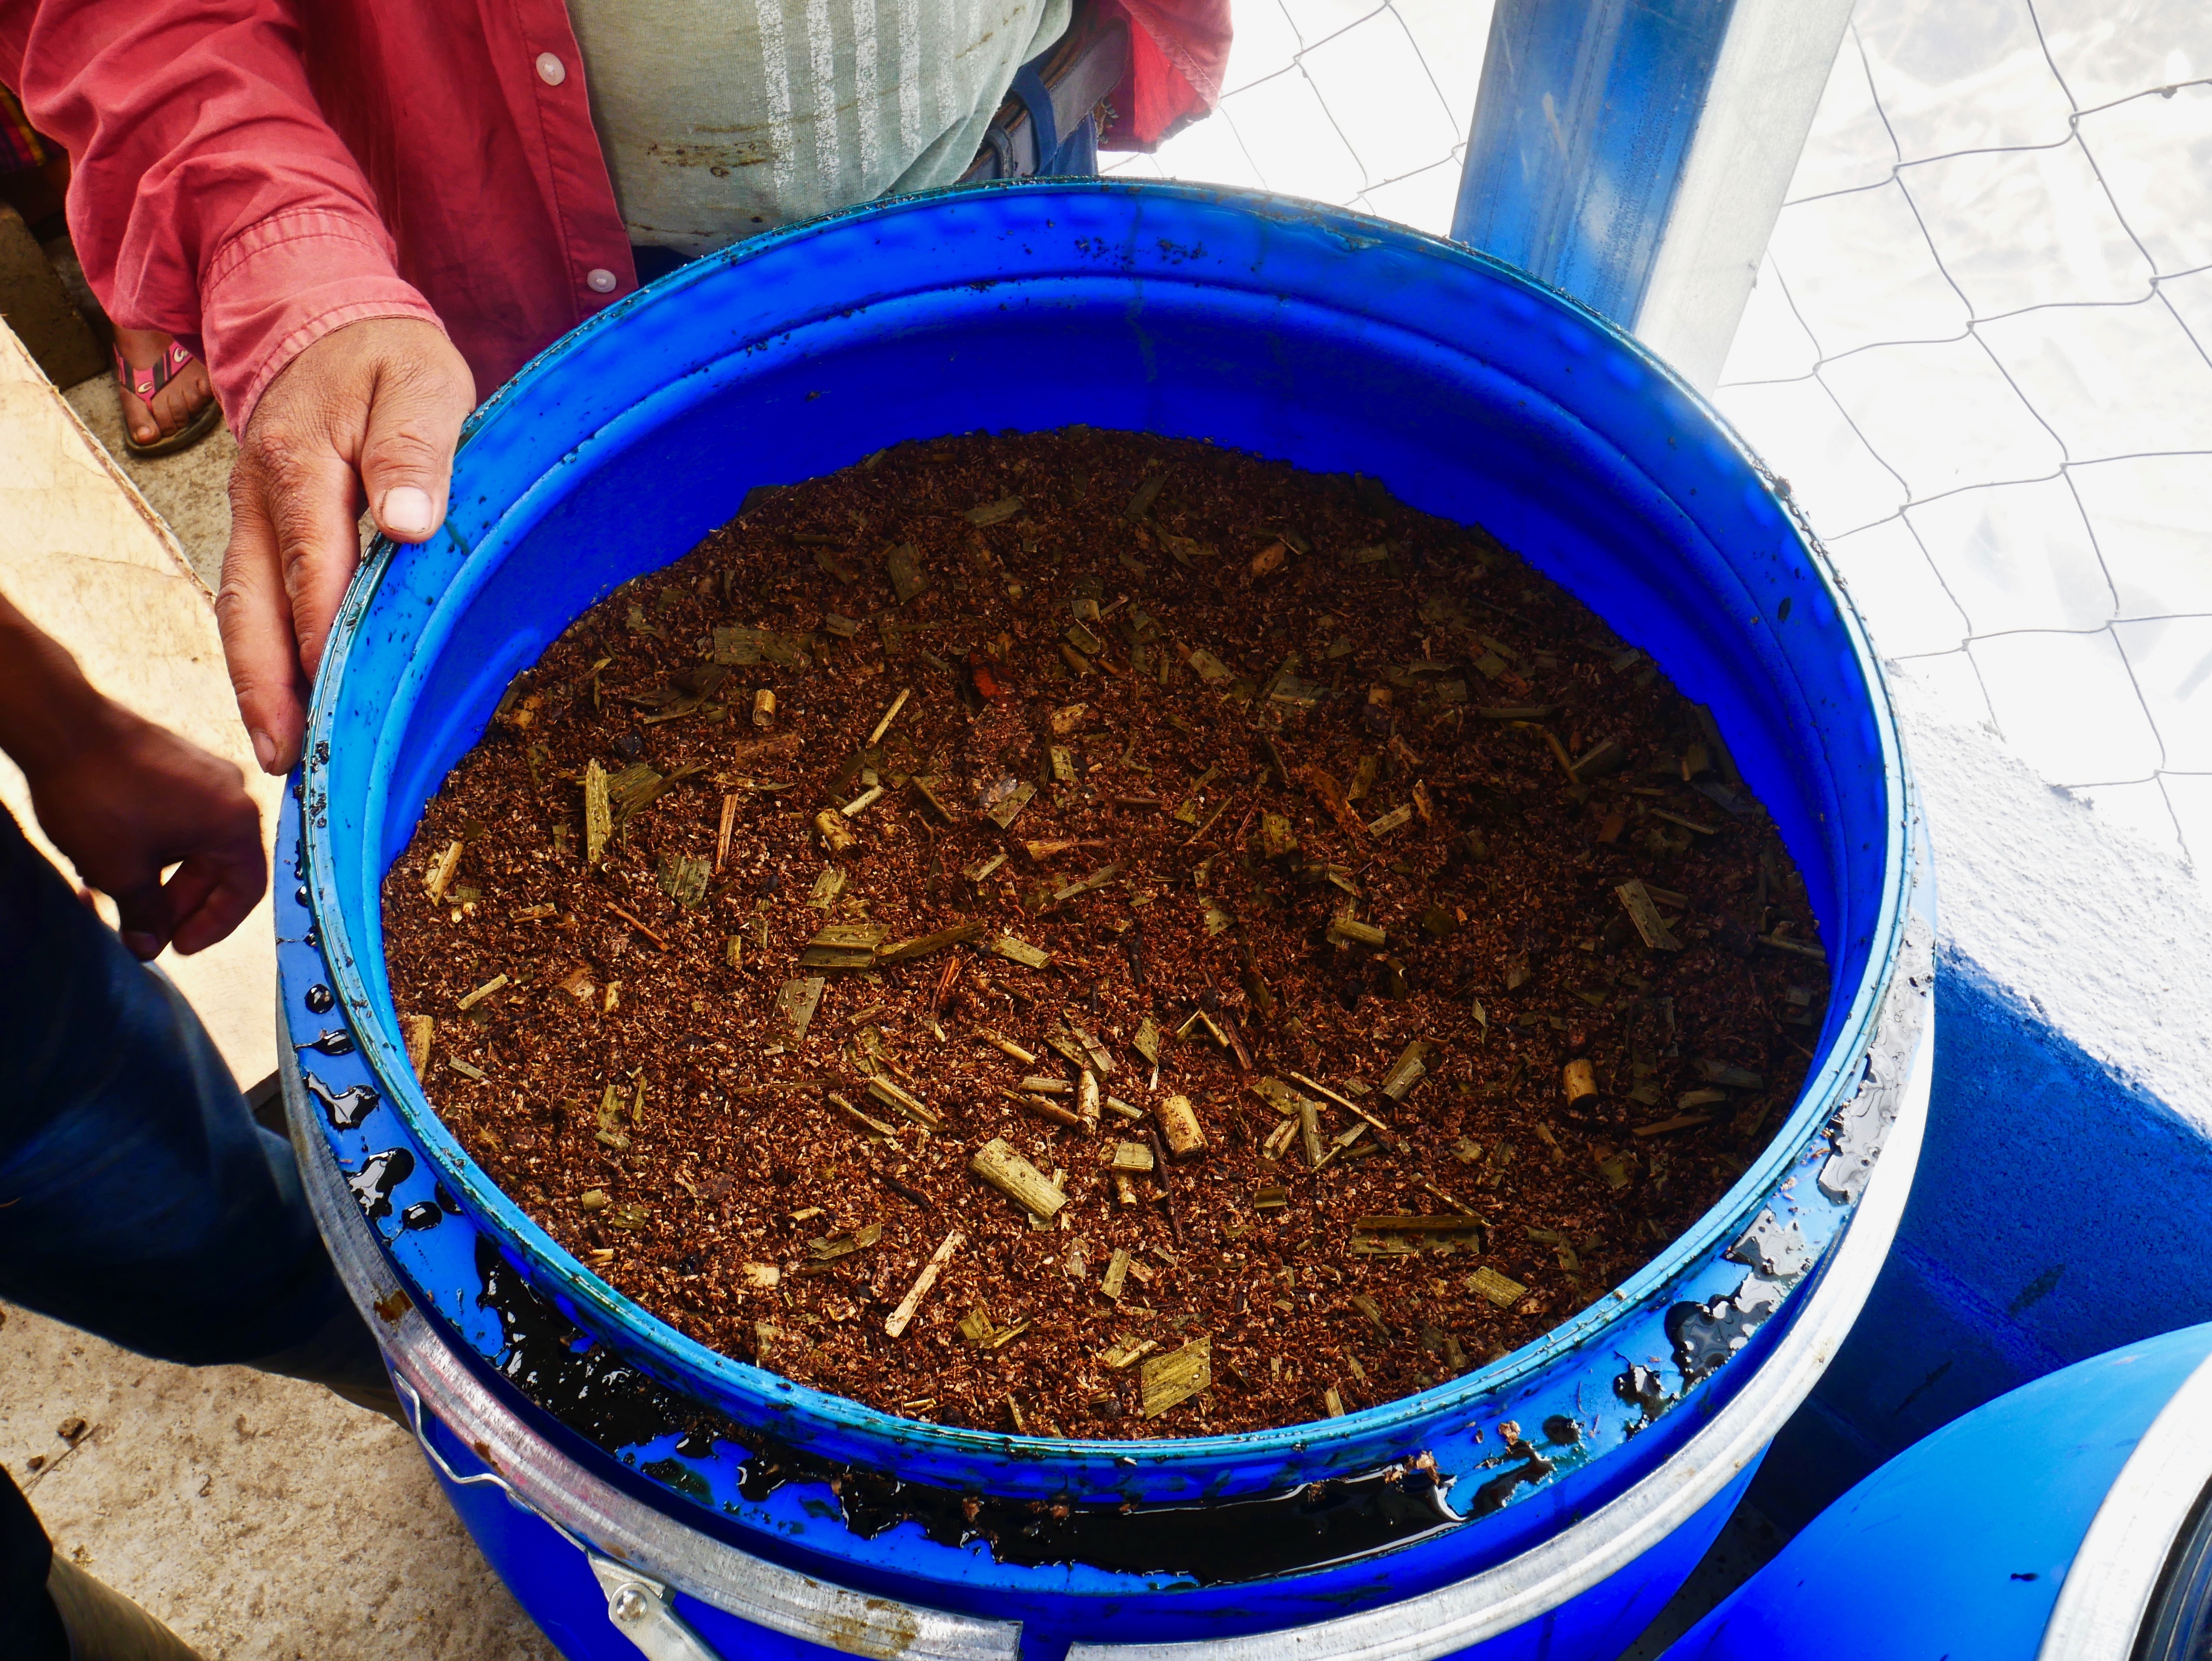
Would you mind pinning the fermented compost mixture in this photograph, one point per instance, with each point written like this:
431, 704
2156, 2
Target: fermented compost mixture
1082, 933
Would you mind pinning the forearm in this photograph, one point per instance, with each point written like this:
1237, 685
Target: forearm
48, 710
209, 197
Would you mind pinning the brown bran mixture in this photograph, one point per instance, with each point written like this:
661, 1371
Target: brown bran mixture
1269, 948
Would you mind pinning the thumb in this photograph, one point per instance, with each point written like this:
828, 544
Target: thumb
415, 418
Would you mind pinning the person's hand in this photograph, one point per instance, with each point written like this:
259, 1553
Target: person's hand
369, 413
126, 800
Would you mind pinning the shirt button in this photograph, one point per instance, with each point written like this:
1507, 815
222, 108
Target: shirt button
550, 70
599, 280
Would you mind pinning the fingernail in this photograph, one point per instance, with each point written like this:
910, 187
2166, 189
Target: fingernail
405, 512
264, 750
140, 945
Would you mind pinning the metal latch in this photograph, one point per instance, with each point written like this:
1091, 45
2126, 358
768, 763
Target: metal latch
641, 1610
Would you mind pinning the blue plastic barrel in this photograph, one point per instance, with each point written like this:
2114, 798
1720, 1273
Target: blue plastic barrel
2042, 1524
1341, 344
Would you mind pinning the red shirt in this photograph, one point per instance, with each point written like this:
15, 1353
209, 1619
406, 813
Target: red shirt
251, 174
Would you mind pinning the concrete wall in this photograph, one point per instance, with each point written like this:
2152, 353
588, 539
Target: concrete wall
2065, 1190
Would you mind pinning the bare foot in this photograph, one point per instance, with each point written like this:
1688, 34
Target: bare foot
175, 405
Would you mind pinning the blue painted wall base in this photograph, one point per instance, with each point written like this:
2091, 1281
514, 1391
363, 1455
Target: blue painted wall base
2046, 1225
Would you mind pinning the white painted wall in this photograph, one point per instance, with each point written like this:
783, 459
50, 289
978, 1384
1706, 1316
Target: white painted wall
2103, 931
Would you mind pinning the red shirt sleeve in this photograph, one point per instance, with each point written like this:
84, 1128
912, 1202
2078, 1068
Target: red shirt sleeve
208, 197
1178, 53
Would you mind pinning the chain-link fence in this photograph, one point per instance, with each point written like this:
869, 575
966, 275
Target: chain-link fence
1978, 350
1363, 103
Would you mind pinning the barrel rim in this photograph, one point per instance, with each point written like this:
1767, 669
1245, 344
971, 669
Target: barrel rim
1826, 1090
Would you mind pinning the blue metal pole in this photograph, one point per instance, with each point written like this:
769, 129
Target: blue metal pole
1581, 131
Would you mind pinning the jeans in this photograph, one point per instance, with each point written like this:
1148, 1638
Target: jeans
138, 1199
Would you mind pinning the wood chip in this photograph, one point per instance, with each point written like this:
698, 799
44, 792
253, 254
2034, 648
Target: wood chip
1088, 1100
1125, 1351
1084, 1050
983, 868
1309, 1130
842, 946
890, 716
997, 1164
1017, 950
892, 1096
741, 645
1408, 1070
1389, 821
795, 1005
439, 877
836, 835
639, 924
1417, 1223
936, 791
995, 513
1043, 1108
906, 951
420, 1030
1599, 760
1147, 1041
833, 1247
1009, 810
1429, 1186
473, 999
1636, 900
1501, 1291
1006, 1046
860, 804
874, 1124
904, 1313
904, 566
1132, 1160
1579, 1078
598, 820
1180, 1128
1116, 1280
1211, 669
1350, 931
683, 878
722, 835
1090, 885
1668, 1127
977, 1328
1169, 1380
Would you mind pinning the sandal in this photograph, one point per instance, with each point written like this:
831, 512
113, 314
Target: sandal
145, 386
